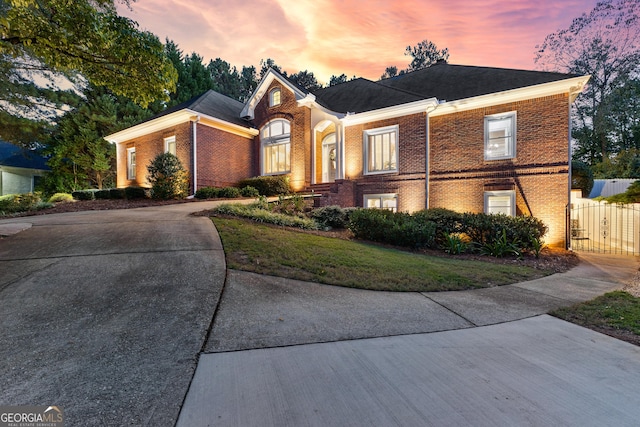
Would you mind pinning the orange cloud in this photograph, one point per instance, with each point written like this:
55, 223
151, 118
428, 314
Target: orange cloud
356, 37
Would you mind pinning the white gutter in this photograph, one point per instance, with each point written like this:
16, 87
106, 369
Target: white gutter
194, 127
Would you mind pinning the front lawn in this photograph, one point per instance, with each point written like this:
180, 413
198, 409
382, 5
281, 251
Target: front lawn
283, 252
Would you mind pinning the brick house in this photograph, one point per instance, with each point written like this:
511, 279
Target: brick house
470, 139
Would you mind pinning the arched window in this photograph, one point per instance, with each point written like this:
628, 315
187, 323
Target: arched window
275, 138
274, 97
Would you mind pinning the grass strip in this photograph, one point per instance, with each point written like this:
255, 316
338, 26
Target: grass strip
613, 311
282, 252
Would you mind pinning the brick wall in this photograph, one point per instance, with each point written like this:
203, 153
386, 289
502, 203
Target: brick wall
223, 158
300, 120
459, 175
148, 147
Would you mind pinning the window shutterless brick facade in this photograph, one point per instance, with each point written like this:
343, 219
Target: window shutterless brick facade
459, 175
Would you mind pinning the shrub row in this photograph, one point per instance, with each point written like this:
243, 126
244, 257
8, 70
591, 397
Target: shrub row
14, 203
496, 235
226, 192
257, 212
268, 185
112, 193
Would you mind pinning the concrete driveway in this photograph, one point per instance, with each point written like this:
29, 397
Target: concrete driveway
104, 313
108, 313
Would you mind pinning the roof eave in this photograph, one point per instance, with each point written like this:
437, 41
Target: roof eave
250, 106
415, 107
176, 118
573, 86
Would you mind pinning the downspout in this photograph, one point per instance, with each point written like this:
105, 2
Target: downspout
340, 150
567, 228
426, 160
194, 146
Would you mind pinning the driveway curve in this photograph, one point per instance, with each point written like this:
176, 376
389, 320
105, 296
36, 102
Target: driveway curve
104, 313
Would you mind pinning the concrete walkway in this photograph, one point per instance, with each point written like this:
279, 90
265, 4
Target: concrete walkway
107, 313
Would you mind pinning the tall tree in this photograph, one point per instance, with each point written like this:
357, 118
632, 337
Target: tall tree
78, 41
306, 80
424, 54
79, 155
606, 45
265, 64
390, 71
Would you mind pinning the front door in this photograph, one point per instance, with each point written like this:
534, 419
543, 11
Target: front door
329, 158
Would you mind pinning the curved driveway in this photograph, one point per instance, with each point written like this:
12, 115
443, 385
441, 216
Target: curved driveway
107, 314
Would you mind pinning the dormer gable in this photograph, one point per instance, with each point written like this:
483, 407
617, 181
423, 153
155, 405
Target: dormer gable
262, 90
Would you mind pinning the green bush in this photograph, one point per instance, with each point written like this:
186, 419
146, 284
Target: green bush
331, 216
395, 228
229, 192
84, 194
268, 185
135, 193
61, 198
484, 229
207, 193
256, 212
249, 191
102, 194
454, 244
168, 178
447, 221
581, 177
14, 203
117, 193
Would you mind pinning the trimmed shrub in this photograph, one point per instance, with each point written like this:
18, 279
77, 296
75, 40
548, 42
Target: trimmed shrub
84, 194
229, 192
61, 198
446, 221
268, 185
117, 193
207, 193
484, 229
256, 212
167, 177
331, 216
249, 191
395, 228
102, 194
135, 193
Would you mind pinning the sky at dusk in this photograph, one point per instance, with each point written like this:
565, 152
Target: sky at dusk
356, 37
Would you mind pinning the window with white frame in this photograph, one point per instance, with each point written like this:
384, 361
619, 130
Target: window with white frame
170, 145
131, 163
381, 201
275, 97
275, 138
500, 202
500, 136
381, 150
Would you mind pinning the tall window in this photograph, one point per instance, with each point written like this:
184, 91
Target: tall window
274, 97
275, 137
170, 145
381, 150
500, 136
500, 202
131, 163
381, 201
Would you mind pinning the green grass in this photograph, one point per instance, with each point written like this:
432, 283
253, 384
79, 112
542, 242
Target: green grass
616, 310
282, 252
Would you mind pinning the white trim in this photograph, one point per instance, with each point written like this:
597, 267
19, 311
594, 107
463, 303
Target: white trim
260, 91
176, 118
272, 93
415, 107
512, 116
168, 140
367, 197
380, 131
501, 193
573, 86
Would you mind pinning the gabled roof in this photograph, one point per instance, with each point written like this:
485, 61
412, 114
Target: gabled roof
454, 82
260, 91
360, 95
18, 157
212, 104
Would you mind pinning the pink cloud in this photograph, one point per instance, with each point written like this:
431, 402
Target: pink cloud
357, 37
